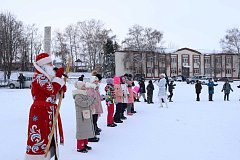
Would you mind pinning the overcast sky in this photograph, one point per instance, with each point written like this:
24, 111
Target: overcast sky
197, 24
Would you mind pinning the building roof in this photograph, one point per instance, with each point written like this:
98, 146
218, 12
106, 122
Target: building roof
173, 50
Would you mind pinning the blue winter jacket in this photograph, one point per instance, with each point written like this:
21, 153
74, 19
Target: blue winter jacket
211, 87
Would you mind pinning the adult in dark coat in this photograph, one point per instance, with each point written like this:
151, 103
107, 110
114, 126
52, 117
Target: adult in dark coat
198, 87
150, 89
170, 89
21, 79
226, 88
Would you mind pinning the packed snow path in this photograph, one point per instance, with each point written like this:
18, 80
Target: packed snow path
187, 130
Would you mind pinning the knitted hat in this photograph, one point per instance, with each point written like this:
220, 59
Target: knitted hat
99, 76
93, 78
42, 59
116, 80
79, 84
109, 81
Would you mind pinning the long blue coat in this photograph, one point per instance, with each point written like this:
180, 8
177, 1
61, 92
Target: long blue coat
211, 87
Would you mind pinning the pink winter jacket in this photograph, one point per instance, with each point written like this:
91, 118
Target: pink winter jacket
130, 90
118, 90
97, 107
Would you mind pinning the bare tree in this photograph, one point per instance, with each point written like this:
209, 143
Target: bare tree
141, 39
93, 36
60, 47
231, 43
34, 41
72, 38
11, 34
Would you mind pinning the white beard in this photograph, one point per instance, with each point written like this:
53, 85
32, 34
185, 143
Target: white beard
49, 70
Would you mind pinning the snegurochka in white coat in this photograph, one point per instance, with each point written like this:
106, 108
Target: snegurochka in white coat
162, 92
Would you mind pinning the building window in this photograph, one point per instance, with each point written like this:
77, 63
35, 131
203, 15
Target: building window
162, 70
196, 71
162, 59
218, 60
217, 70
185, 59
208, 70
196, 59
228, 60
207, 60
173, 70
173, 60
149, 70
228, 71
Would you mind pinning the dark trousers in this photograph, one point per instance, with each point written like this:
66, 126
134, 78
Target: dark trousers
95, 119
118, 112
20, 85
149, 97
210, 97
124, 107
170, 96
226, 95
198, 98
132, 109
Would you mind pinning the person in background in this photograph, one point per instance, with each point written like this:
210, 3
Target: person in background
81, 78
162, 91
226, 88
171, 87
142, 90
110, 96
198, 88
211, 89
150, 88
46, 85
21, 80
84, 124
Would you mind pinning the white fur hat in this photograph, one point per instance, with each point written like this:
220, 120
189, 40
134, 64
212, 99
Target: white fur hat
162, 75
93, 78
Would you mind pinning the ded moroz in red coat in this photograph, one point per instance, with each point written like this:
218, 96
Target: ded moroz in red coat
44, 92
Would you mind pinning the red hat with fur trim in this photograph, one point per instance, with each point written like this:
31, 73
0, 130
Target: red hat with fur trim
42, 59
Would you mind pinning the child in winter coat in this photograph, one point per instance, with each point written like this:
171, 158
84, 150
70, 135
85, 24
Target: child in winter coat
110, 95
150, 88
211, 89
118, 99
130, 103
125, 96
226, 88
98, 110
84, 124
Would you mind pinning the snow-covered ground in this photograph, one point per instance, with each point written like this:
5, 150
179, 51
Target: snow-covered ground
187, 130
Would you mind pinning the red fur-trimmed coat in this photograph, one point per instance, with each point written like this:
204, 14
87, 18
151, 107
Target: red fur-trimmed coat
41, 116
